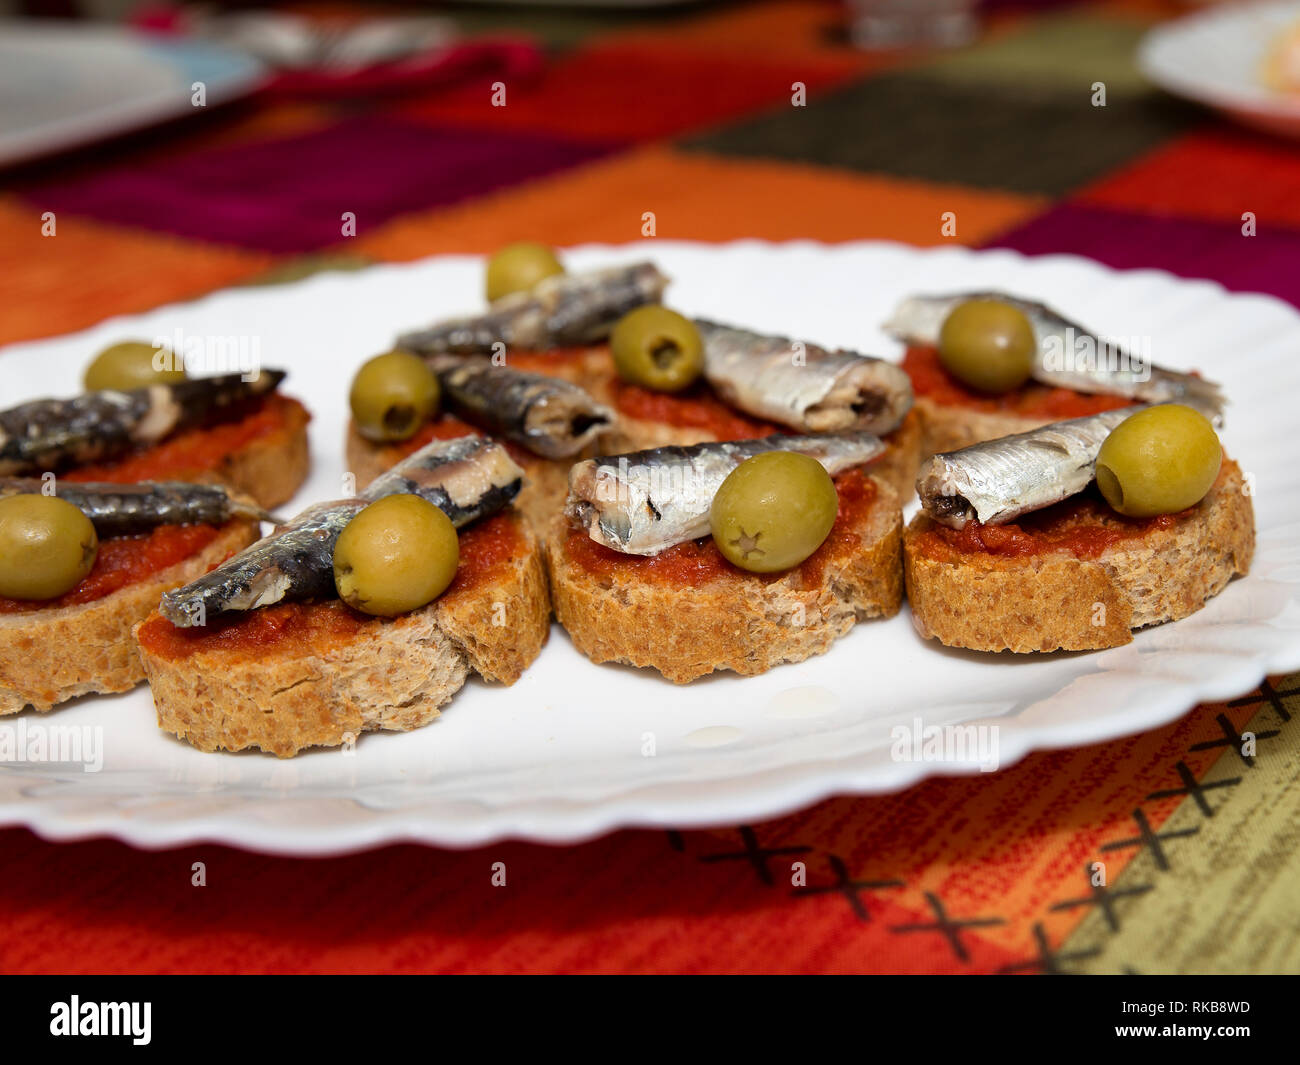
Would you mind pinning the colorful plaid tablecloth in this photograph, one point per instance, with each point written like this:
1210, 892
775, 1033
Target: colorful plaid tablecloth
690, 116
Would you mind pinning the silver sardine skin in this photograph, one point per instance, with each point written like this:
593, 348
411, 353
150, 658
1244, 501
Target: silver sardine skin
563, 310
1069, 355
125, 509
998, 480
550, 417
801, 385
644, 502
467, 478
49, 434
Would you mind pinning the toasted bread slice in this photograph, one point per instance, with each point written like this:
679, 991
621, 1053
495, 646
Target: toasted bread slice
709, 615
950, 428
51, 654
1126, 575
268, 469
954, 416
271, 468
546, 481
304, 675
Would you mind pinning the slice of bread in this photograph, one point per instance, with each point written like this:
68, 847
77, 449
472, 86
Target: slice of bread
52, 654
950, 427
623, 611
1055, 600
546, 481
954, 416
269, 469
272, 468
339, 673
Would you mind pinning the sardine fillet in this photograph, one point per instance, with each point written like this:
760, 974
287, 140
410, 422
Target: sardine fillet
466, 478
47, 434
562, 310
996, 481
123, 509
550, 417
644, 502
802, 385
1068, 355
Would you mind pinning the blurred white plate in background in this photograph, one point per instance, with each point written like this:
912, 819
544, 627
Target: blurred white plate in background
1216, 58
63, 84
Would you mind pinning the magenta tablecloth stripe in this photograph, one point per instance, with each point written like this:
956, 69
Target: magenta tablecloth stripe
1220, 251
290, 194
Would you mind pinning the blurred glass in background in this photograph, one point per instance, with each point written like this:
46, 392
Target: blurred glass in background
912, 23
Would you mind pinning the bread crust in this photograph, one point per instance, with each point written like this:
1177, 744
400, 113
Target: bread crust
1055, 601
271, 468
898, 466
739, 622
52, 655
395, 675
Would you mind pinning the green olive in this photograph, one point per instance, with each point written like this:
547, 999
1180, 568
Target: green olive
396, 555
393, 395
47, 546
773, 511
657, 348
1159, 461
518, 267
988, 345
132, 364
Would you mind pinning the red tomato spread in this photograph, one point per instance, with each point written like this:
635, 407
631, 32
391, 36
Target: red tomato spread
485, 546
697, 407
697, 562
1031, 400
1083, 525
553, 360
315, 624
124, 560
448, 427
444, 427
194, 451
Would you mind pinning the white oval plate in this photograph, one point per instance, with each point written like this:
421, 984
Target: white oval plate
1216, 57
561, 756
